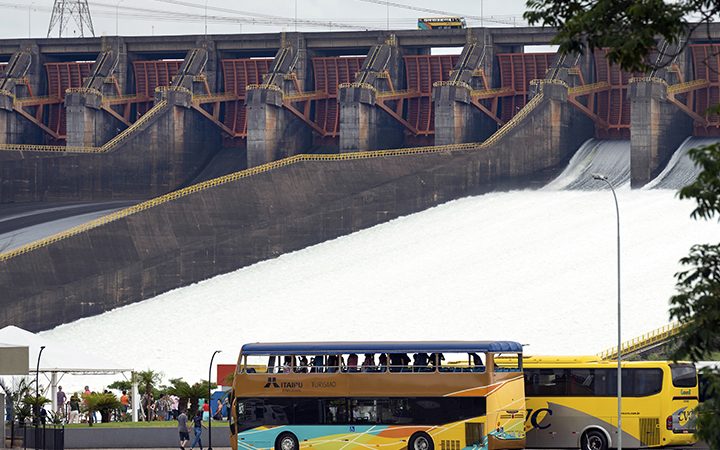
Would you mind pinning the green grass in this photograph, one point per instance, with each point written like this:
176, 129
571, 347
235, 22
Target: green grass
155, 424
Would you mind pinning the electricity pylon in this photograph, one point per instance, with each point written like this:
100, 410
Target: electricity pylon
71, 18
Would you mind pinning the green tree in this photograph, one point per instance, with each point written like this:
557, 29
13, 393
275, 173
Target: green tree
121, 385
189, 395
148, 380
630, 29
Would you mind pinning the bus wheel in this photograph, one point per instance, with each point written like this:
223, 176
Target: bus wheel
420, 441
594, 440
286, 441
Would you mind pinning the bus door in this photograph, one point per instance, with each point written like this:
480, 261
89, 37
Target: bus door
681, 417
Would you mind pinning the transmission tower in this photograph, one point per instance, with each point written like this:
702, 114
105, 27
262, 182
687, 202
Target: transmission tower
71, 18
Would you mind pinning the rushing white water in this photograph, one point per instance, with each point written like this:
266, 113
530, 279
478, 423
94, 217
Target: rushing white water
680, 170
538, 267
609, 158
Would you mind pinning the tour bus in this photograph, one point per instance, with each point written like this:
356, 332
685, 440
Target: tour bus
393, 395
572, 403
441, 23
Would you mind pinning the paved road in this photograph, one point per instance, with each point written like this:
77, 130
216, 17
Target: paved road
25, 223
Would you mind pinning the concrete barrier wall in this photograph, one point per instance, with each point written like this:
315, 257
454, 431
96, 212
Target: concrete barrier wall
166, 153
97, 437
238, 223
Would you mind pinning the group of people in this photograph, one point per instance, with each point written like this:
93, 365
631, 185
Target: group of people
393, 362
197, 424
69, 409
164, 408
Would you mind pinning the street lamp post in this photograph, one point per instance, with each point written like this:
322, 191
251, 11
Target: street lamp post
601, 177
209, 402
37, 387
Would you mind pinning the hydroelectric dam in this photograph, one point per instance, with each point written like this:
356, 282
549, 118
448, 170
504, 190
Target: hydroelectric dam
192, 156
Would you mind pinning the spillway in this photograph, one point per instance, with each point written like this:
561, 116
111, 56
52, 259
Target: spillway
680, 170
609, 158
533, 266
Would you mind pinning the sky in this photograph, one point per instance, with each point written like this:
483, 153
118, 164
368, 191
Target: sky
30, 18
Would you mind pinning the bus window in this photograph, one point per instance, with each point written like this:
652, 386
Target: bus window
334, 411
582, 382
464, 362
683, 375
364, 410
507, 362
545, 382
254, 364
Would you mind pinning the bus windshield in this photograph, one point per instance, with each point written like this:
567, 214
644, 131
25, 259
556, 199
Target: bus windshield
683, 375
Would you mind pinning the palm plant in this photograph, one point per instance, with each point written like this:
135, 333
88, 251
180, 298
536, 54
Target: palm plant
104, 403
189, 395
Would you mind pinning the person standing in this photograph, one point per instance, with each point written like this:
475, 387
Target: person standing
74, 416
197, 429
61, 399
125, 402
183, 429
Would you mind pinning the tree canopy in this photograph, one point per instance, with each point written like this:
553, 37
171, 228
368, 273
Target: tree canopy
631, 31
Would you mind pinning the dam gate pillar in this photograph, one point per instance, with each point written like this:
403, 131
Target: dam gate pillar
657, 128
363, 125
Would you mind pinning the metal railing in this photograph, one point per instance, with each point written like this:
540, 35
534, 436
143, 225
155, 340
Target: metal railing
588, 88
529, 107
124, 135
357, 84
646, 340
460, 84
489, 93
512, 123
686, 87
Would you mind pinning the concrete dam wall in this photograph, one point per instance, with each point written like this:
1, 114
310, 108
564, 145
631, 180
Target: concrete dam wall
230, 222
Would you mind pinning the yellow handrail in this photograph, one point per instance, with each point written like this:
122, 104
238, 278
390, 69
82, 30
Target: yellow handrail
588, 88
648, 339
124, 135
266, 168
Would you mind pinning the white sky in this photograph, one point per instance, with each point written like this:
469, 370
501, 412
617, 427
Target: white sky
24, 18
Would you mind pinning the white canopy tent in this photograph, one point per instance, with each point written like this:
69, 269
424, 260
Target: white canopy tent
58, 360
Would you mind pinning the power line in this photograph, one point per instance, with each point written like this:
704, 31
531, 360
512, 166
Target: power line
509, 21
260, 15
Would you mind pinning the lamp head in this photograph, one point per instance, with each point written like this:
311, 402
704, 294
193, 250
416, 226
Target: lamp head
599, 176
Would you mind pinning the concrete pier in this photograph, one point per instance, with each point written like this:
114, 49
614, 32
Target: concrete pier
657, 129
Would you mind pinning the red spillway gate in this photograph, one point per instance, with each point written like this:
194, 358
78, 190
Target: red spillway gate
329, 73
706, 64
237, 74
151, 74
612, 104
421, 71
516, 72
62, 76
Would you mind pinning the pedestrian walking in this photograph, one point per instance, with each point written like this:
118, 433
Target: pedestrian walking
183, 429
197, 429
61, 399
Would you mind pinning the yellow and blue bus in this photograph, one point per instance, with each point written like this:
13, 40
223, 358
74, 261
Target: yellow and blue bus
572, 403
394, 395
441, 23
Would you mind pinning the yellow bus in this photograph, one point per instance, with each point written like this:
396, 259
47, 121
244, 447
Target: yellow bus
572, 403
393, 395
441, 23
